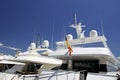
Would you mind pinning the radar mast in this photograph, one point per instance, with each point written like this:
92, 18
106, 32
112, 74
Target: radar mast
78, 27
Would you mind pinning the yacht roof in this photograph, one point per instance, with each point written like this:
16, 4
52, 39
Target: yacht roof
11, 62
85, 53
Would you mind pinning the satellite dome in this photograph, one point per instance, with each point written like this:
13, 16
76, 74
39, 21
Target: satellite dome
93, 33
45, 44
32, 46
70, 37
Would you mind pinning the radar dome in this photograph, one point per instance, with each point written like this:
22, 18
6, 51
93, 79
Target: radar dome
45, 44
70, 37
93, 33
32, 46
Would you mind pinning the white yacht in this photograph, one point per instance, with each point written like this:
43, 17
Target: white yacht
28, 65
86, 55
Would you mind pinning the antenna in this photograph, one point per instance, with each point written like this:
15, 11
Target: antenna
34, 36
75, 19
78, 27
63, 32
38, 40
101, 24
52, 36
42, 39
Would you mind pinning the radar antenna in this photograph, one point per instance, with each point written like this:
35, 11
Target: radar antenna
78, 27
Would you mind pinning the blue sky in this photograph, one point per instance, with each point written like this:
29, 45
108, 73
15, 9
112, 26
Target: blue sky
21, 19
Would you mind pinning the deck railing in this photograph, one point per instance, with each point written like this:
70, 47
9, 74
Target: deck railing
56, 75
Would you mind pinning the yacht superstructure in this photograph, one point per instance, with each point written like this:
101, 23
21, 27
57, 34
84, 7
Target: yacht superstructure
92, 59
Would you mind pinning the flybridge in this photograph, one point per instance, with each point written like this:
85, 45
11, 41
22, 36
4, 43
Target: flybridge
85, 41
81, 39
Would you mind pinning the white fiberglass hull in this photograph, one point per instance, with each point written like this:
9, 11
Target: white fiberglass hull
92, 76
57, 75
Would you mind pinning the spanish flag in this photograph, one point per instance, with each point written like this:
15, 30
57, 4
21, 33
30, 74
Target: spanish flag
69, 47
